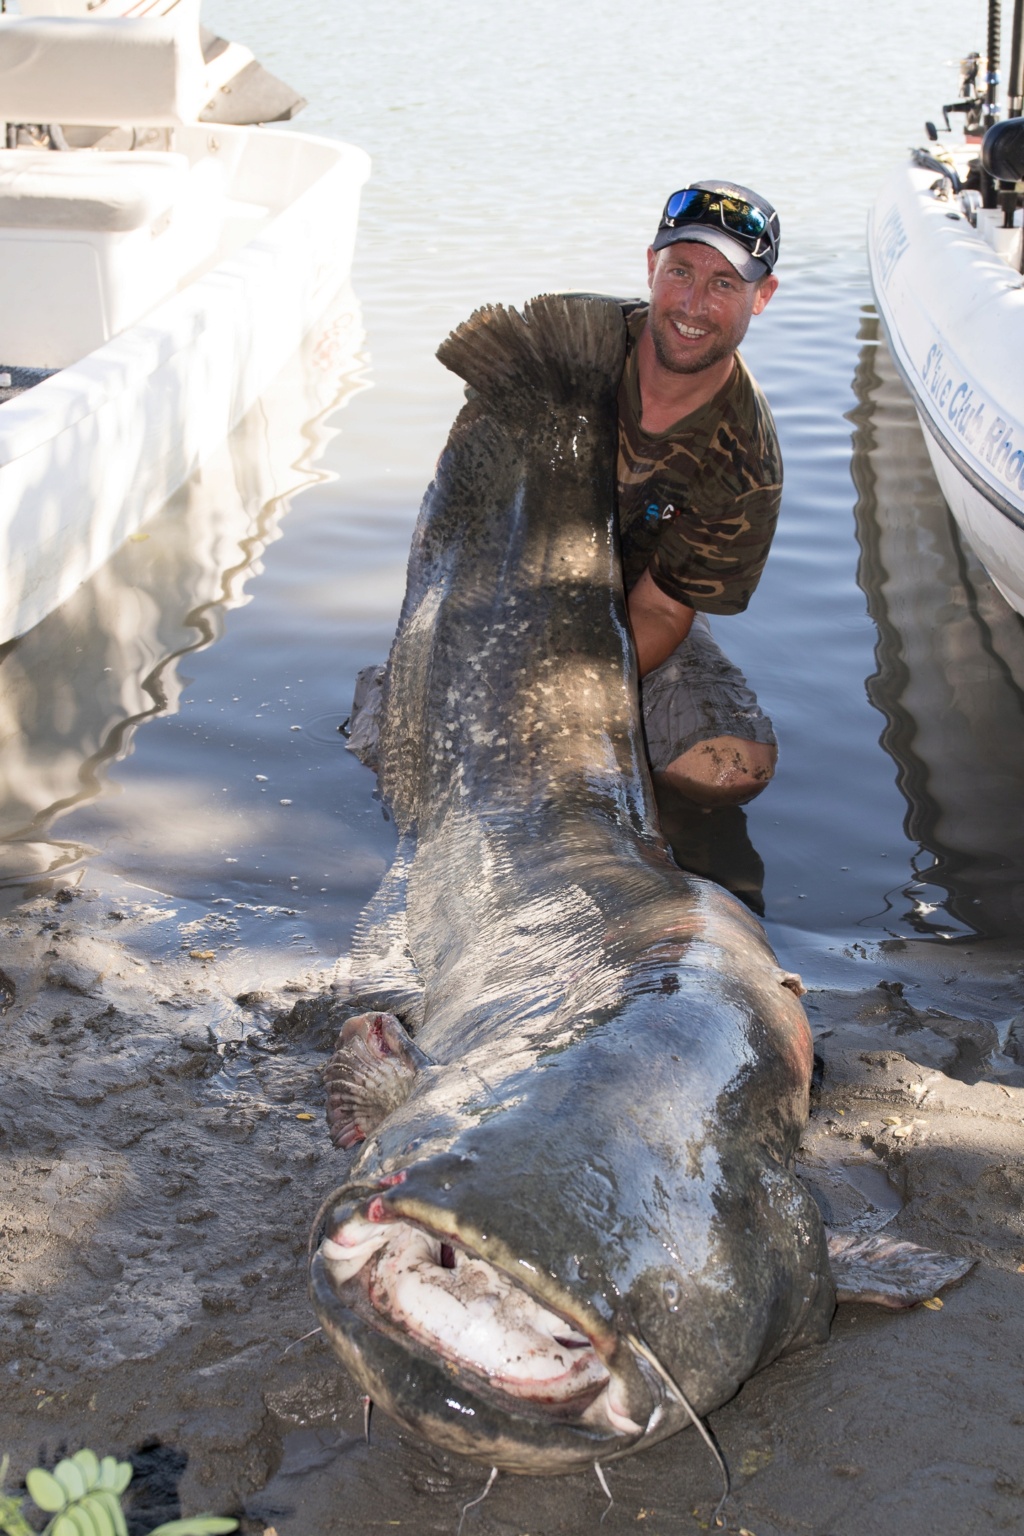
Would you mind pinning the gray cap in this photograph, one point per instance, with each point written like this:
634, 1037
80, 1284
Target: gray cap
752, 251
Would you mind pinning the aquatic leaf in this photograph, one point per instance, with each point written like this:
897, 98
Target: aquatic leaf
305, 1117
104, 1510
88, 1464
108, 1472
114, 1475
71, 1479
891, 1120
111, 1507
934, 1304
45, 1490
71, 1523
12, 1521
197, 1525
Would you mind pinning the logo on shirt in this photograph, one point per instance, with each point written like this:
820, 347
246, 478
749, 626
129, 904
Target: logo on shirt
656, 514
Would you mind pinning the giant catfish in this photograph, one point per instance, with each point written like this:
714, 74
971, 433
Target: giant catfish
582, 1076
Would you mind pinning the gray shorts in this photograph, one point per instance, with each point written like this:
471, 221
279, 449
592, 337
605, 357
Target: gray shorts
693, 696
698, 694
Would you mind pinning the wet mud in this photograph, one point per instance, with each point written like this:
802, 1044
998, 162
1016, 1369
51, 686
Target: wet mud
163, 1152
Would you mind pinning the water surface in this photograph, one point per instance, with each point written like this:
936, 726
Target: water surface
176, 722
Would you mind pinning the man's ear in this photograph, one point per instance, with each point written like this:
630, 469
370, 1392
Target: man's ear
652, 262
765, 288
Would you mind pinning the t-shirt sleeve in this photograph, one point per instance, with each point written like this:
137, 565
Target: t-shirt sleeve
712, 558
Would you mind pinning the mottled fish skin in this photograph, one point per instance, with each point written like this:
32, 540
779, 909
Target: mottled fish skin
619, 1068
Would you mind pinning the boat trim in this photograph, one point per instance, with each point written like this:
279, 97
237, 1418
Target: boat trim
963, 467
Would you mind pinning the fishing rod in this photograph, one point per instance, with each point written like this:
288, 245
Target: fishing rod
1015, 78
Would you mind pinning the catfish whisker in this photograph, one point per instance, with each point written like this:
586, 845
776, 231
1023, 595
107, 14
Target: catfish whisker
473, 1502
296, 1342
604, 1485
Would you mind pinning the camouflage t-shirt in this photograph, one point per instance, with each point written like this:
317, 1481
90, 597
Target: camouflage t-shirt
698, 504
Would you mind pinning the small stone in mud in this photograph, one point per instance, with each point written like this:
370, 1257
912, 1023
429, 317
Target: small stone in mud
202, 954
8, 992
196, 1043
74, 977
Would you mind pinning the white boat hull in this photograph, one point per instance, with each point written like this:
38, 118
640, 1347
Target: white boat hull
74, 690
953, 314
92, 452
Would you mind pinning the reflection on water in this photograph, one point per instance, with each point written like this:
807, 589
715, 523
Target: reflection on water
74, 689
950, 673
713, 843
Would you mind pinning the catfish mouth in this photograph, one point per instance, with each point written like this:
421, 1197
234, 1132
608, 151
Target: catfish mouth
453, 1307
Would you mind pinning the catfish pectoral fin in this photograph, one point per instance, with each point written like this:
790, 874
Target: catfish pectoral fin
369, 1075
878, 1269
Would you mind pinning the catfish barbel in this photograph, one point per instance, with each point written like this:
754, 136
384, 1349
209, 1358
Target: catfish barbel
573, 1224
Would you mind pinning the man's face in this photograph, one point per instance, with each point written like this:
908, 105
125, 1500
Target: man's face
700, 306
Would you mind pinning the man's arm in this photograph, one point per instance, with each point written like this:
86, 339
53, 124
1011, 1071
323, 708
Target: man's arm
658, 623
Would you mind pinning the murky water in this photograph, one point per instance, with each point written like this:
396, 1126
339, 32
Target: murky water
176, 722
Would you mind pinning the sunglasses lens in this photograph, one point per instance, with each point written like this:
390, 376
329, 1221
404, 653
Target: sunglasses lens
743, 218
691, 201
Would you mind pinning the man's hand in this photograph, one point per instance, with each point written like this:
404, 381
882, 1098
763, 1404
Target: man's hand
658, 623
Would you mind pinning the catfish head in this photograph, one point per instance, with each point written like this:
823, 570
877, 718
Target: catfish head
564, 1255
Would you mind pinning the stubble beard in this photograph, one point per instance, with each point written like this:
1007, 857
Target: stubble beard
719, 348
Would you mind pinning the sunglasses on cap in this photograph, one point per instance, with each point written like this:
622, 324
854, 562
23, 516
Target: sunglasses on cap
744, 221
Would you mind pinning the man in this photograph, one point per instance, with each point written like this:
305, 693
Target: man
699, 486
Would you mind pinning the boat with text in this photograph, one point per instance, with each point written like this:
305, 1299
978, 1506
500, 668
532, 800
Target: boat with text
945, 254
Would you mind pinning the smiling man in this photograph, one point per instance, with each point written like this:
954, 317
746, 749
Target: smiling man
699, 485
700, 481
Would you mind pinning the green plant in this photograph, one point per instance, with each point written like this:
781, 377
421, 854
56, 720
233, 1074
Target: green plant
83, 1495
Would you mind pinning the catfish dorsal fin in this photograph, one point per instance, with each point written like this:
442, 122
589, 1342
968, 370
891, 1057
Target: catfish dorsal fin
370, 1074
563, 349
880, 1269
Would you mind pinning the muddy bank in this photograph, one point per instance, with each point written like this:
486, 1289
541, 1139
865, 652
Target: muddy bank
160, 1172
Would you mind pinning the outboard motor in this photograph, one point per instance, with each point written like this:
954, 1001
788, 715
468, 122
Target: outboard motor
1002, 150
1002, 156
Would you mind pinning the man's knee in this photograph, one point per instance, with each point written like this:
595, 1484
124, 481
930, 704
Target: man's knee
727, 770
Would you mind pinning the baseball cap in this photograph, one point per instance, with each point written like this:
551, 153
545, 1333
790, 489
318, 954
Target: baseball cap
739, 223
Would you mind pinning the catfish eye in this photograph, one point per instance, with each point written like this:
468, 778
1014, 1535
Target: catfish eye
670, 1291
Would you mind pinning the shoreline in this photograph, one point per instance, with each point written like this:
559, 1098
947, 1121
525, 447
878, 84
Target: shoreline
164, 1154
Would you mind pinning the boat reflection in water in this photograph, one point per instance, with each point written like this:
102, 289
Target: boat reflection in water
950, 678
74, 689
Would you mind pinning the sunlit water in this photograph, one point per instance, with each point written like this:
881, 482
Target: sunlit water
179, 717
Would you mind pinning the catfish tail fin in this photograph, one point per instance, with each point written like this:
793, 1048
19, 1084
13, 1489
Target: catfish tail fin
564, 349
